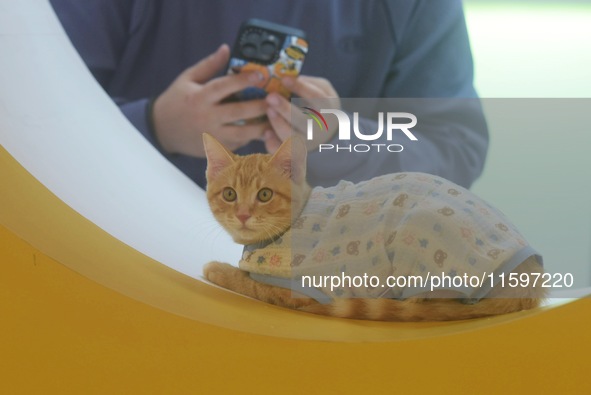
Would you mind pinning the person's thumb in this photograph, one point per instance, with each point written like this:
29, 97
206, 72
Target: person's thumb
207, 68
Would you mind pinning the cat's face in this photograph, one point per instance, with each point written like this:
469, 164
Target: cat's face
252, 196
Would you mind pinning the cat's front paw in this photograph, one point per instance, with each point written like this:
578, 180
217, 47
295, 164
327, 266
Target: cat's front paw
223, 274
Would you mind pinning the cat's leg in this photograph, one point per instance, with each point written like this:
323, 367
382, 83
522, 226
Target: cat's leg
234, 279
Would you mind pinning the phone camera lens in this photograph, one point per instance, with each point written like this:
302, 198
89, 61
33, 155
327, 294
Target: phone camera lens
253, 36
268, 49
249, 50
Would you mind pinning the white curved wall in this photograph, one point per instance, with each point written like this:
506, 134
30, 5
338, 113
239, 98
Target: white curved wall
61, 126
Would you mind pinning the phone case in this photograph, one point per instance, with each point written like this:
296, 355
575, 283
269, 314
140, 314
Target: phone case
276, 51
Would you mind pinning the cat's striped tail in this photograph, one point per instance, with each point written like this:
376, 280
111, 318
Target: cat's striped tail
501, 301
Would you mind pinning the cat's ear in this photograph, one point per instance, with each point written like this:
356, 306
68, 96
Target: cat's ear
290, 157
218, 157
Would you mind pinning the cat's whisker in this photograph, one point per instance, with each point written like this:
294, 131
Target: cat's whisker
273, 230
210, 231
204, 227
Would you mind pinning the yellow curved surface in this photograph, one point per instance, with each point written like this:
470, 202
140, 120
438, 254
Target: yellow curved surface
84, 313
81, 312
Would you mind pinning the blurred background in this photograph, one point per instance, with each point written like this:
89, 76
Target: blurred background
538, 172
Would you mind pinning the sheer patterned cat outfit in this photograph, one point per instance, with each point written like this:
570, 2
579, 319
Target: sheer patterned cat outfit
402, 225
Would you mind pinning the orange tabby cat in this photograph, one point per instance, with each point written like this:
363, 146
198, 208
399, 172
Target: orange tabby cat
255, 197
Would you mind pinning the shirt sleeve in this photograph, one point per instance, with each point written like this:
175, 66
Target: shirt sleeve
433, 61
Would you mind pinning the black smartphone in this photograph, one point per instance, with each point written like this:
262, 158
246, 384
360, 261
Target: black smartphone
274, 50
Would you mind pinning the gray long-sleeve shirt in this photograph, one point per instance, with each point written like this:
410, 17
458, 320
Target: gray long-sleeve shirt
367, 49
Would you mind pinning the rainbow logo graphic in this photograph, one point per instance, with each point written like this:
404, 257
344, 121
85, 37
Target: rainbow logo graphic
316, 116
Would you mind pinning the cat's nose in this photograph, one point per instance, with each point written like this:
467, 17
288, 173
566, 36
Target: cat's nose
243, 217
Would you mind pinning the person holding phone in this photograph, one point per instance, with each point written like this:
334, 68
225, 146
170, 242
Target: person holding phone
164, 64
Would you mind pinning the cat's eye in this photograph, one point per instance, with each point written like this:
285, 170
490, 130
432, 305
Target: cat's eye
265, 195
229, 194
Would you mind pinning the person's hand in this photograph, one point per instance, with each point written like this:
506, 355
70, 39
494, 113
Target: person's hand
285, 119
193, 105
